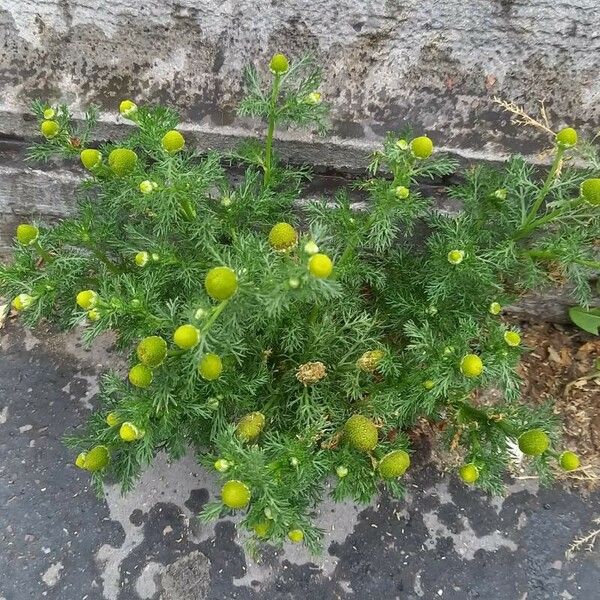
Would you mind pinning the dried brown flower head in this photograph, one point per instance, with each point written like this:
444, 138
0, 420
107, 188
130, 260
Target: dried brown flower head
311, 372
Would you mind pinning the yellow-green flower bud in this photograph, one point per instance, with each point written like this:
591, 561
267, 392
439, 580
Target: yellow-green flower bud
221, 283
262, 528
279, 64
87, 299
96, 459
173, 141
122, 161
455, 257
294, 283
49, 129
27, 234
141, 376
394, 464
147, 186
469, 473
152, 351
141, 259
402, 145
500, 194
210, 367
313, 98
235, 494
222, 465
369, 360
566, 137
311, 248
320, 266
130, 432
112, 419
22, 302
49, 113
422, 147
250, 426
341, 471
402, 192
91, 158
534, 442
512, 338
212, 403
590, 191
429, 384
80, 460
296, 536
282, 236
127, 108
569, 461
361, 433
471, 366
186, 337
495, 308
93, 315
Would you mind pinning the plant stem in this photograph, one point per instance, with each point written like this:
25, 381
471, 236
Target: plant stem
346, 255
554, 214
104, 259
545, 189
188, 209
349, 250
482, 417
271, 130
548, 255
215, 315
43, 253
177, 352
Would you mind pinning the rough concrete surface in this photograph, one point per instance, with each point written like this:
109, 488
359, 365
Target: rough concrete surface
433, 64
59, 541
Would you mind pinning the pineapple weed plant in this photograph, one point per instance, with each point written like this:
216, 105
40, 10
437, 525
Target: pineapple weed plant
294, 346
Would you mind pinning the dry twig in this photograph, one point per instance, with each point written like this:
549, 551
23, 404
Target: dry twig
586, 542
520, 117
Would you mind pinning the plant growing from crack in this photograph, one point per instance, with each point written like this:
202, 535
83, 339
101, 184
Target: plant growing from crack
290, 344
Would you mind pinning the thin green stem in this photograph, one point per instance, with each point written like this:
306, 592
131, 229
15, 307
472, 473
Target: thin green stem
188, 209
177, 352
43, 253
549, 255
214, 316
347, 252
546, 187
104, 259
271, 129
482, 417
547, 218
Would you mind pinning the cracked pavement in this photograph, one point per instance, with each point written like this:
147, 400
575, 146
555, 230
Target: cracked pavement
58, 540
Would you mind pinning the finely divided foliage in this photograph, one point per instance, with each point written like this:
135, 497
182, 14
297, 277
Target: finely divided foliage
310, 339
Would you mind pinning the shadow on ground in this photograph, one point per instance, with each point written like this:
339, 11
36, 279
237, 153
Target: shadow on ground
58, 540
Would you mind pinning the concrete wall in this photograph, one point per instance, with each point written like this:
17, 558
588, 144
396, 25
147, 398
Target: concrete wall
434, 64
